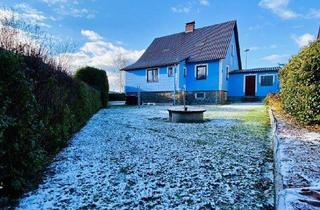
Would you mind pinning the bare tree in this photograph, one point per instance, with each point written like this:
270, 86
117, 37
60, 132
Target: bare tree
119, 62
27, 39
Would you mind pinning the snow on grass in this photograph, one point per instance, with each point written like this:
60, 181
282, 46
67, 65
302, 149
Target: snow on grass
299, 165
132, 157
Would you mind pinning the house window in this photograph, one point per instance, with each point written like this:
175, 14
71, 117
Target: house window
201, 72
184, 71
170, 71
200, 96
227, 72
266, 80
152, 75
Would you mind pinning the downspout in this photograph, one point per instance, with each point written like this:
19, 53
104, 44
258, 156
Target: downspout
220, 74
174, 84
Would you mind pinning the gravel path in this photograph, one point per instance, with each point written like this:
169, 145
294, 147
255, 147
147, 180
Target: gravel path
132, 157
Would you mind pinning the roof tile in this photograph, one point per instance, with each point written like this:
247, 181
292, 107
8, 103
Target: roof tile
203, 44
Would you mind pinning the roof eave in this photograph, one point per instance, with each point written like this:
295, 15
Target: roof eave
147, 67
238, 45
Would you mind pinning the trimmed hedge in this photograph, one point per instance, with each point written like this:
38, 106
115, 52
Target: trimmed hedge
97, 79
117, 96
40, 109
300, 85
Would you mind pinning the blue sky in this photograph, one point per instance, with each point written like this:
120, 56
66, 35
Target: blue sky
273, 29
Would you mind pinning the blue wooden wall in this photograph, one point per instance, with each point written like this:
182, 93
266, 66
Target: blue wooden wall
137, 79
236, 84
212, 81
231, 60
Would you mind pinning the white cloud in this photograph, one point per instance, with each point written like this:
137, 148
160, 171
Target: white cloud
99, 53
25, 13
181, 9
279, 7
6, 14
70, 8
303, 40
204, 2
273, 46
314, 13
52, 2
254, 48
276, 58
190, 6
30, 13
91, 35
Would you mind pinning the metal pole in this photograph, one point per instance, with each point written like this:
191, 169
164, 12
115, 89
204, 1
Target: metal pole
139, 96
174, 84
120, 82
246, 60
184, 97
246, 51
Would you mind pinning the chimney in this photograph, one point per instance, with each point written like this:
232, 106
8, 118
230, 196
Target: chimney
318, 38
190, 26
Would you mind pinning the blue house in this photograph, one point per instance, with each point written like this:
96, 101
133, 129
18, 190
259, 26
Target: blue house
203, 62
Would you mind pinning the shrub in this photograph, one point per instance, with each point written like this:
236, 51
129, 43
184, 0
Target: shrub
40, 109
41, 106
20, 153
131, 100
117, 96
273, 100
97, 79
300, 85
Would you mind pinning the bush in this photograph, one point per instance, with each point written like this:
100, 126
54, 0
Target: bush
41, 108
131, 100
21, 155
273, 100
117, 96
300, 85
97, 79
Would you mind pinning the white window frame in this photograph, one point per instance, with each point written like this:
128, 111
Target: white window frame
195, 70
227, 72
200, 98
172, 71
153, 81
244, 82
273, 80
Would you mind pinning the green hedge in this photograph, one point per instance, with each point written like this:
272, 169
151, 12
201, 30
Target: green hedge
97, 79
117, 96
40, 109
21, 155
300, 85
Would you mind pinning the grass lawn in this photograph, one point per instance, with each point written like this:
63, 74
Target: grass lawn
132, 157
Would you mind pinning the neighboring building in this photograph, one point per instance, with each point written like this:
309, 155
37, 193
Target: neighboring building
198, 61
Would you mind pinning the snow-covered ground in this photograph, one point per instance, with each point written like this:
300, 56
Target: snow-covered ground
132, 157
299, 167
